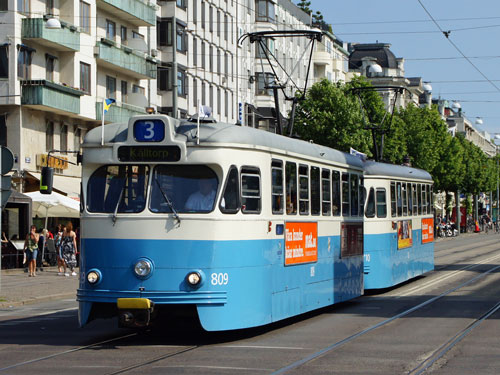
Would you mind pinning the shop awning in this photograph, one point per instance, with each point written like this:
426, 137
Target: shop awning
63, 184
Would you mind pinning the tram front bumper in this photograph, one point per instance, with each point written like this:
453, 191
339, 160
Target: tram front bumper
134, 312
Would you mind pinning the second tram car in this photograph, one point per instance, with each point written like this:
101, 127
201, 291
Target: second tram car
399, 224
238, 226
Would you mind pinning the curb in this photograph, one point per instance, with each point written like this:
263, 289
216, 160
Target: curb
31, 301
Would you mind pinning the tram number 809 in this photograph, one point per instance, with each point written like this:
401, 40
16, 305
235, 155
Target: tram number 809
219, 278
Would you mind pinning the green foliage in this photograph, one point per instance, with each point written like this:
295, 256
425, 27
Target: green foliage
331, 114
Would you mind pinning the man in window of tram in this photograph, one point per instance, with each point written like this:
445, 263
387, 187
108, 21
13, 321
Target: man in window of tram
203, 199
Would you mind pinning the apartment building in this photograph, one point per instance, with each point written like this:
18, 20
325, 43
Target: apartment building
209, 66
53, 81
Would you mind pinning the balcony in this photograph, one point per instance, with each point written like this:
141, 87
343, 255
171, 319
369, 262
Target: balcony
49, 96
65, 39
124, 60
137, 12
117, 113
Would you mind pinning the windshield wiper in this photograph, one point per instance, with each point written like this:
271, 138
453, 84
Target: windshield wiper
118, 203
169, 202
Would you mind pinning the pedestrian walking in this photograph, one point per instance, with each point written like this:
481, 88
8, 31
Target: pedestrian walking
31, 250
68, 248
61, 265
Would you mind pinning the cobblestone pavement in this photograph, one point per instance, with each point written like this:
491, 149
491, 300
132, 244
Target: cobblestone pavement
16, 288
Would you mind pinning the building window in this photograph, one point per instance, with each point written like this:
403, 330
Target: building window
124, 90
211, 96
195, 52
181, 4
49, 136
23, 6
264, 11
84, 17
49, 7
263, 81
110, 87
137, 35
195, 11
110, 29
210, 59
63, 137
50, 64
4, 6
211, 18
181, 39
226, 104
203, 93
218, 61
4, 61
77, 139
163, 81
195, 93
225, 27
24, 63
218, 24
3, 130
203, 64
136, 89
219, 102
181, 83
85, 77
123, 34
202, 14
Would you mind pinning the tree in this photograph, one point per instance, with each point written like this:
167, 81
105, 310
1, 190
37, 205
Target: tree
304, 5
330, 115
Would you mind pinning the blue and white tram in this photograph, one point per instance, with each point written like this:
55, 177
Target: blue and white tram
239, 226
399, 238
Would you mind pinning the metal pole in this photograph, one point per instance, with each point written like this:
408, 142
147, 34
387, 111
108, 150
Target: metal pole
498, 177
459, 214
1, 209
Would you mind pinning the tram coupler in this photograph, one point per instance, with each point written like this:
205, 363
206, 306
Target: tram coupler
134, 312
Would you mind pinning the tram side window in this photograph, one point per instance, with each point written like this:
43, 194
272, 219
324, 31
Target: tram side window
429, 199
362, 192
400, 199
345, 195
410, 199
431, 194
118, 188
415, 200
393, 199
370, 204
315, 191
325, 190
381, 203
183, 188
250, 190
336, 193
419, 198
303, 190
291, 188
424, 201
405, 199
230, 201
354, 195
277, 186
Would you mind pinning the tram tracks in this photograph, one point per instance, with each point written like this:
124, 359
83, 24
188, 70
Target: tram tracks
428, 361
65, 352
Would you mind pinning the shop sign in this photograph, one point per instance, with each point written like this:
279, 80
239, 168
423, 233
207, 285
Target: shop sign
61, 162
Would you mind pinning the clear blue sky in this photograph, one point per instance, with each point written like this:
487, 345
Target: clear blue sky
475, 30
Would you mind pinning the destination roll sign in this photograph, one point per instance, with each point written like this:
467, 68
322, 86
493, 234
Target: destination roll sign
149, 153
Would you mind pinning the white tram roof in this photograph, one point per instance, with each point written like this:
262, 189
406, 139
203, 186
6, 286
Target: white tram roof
228, 134
373, 168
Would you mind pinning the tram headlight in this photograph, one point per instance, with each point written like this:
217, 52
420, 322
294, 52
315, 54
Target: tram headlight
94, 277
194, 279
143, 268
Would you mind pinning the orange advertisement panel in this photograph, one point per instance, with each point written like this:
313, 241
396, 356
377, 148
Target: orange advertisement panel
405, 235
427, 230
301, 243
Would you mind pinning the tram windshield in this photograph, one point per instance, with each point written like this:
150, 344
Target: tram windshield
183, 188
118, 188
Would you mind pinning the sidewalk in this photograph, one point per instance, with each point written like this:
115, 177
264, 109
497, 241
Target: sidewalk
16, 288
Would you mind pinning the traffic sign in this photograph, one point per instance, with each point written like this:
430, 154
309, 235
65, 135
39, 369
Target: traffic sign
7, 160
5, 190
